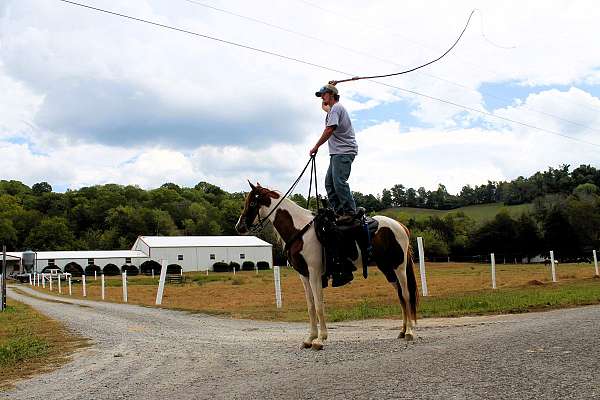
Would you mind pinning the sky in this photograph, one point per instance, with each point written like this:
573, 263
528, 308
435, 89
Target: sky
88, 98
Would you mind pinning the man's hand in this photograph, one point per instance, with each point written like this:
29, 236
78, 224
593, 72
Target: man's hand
313, 151
333, 83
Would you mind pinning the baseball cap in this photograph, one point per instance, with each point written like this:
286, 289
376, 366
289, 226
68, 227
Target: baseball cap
327, 88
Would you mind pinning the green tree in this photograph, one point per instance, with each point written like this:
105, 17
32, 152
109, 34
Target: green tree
51, 234
42, 187
528, 240
8, 234
496, 236
386, 199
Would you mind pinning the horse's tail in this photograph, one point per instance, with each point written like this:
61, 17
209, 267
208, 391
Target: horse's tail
413, 290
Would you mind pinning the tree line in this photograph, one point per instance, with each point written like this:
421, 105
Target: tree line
565, 214
518, 191
569, 224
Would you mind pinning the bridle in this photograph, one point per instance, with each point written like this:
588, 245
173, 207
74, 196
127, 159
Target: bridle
254, 204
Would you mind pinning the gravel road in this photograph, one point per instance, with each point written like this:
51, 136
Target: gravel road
147, 353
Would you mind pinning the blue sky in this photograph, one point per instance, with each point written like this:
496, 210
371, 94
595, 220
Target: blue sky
90, 99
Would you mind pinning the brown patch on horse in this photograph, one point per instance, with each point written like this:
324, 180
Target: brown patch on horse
284, 224
387, 253
263, 195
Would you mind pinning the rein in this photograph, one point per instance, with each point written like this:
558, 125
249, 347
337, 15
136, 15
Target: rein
256, 228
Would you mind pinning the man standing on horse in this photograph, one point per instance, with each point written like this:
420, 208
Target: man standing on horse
341, 140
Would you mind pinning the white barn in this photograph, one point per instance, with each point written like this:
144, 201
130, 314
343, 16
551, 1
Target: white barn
46, 260
199, 253
191, 253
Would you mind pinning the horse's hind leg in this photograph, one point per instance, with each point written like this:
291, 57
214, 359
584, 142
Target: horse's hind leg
405, 301
398, 288
312, 314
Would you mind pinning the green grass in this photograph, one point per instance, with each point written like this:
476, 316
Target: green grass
18, 341
479, 213
198, 278
500, 301
20, 349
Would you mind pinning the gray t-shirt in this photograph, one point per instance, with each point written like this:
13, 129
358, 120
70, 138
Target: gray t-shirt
343, 140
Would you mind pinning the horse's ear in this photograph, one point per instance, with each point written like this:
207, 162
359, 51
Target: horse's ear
258, 184
251, 185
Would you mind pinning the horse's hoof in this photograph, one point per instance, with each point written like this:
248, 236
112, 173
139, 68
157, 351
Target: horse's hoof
408, 337
306, 345
401, 335
317, 346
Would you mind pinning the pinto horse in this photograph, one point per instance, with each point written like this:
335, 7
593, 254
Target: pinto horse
391, 252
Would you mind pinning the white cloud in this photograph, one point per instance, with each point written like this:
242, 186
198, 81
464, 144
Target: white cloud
580, 111
117, 101
18, 105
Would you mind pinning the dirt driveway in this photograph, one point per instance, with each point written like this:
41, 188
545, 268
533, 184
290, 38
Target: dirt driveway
147, 353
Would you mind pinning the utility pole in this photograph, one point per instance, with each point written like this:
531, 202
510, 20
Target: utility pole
3, 288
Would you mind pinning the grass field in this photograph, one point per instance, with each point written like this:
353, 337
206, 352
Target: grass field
455, 289
479, 213
31, 342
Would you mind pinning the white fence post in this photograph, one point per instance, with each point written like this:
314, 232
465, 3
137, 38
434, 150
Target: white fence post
596, 263
70, 288
95, 275
59, 287
161, 282
43, 281
153, 273
30, 280
422, 266
553, 266
102, 285
83, 283
277, 277
124, 277
493, 257
50, 282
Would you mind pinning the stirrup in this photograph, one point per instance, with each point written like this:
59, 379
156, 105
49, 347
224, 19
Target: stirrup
360, 212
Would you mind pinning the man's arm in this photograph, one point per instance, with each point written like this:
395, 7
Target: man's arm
324, 137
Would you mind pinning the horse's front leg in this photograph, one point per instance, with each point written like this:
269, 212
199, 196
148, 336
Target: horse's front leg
313, 333
317, 292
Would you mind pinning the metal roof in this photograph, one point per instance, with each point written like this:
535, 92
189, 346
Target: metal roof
58, 255
203, 241
11, 256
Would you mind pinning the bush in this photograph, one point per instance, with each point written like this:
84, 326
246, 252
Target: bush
220, 267
91, 268
233, 265
131, 270
248, 266
262, 265
111, 270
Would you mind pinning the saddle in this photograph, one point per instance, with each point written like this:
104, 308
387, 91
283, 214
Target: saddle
340, 244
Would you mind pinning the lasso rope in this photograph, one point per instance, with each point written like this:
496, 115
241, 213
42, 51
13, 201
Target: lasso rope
356, 78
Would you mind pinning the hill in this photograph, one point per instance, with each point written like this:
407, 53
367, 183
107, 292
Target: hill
479, 213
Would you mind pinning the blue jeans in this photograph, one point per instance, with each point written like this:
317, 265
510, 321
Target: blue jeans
336, 183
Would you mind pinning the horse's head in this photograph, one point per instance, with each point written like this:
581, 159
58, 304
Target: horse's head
257, 198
